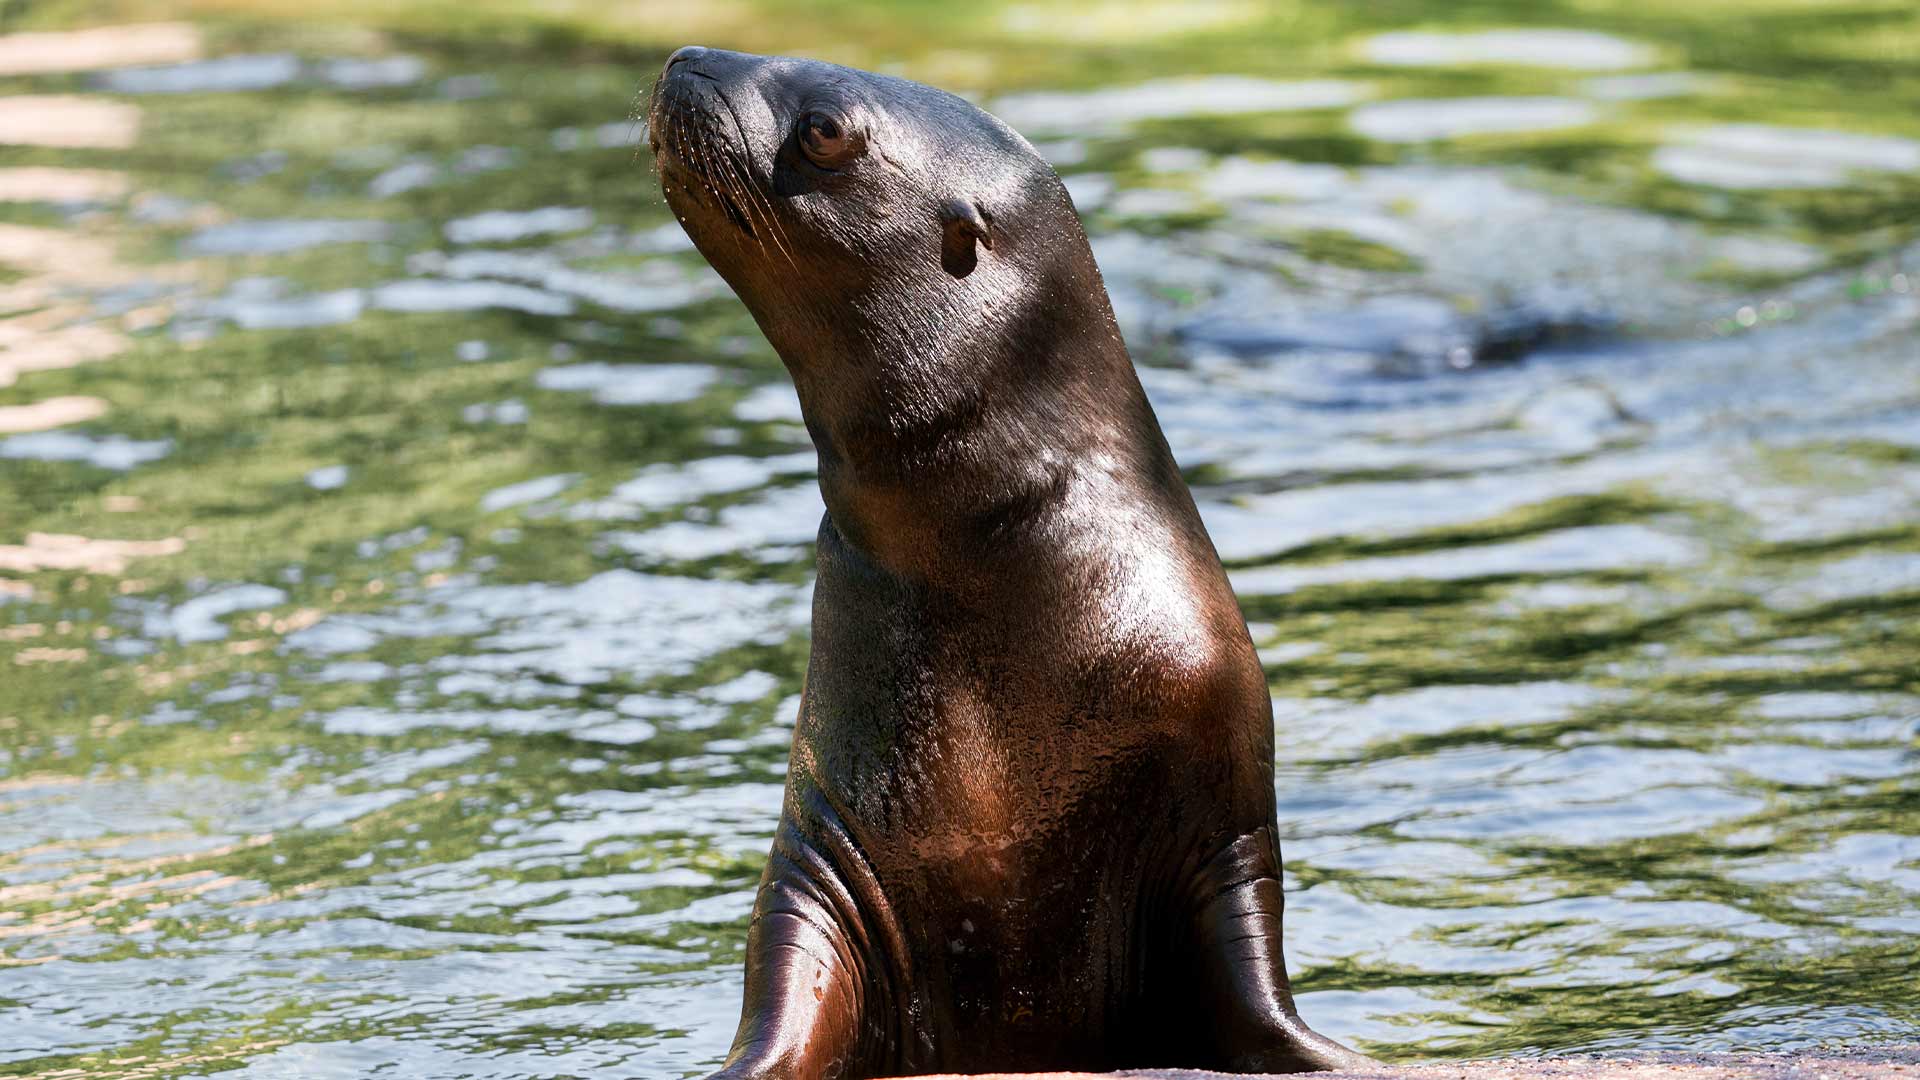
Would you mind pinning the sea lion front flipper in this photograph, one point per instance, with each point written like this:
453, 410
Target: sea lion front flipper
801, 1020
1248, 1000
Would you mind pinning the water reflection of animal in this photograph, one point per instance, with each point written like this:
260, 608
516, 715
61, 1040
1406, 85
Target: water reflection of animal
1029, 821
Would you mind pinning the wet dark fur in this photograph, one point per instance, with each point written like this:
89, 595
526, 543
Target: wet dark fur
1029, 820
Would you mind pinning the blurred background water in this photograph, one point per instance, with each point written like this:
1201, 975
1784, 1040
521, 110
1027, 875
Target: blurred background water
405, 538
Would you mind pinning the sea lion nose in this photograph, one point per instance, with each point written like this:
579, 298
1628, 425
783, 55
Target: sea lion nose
683, 54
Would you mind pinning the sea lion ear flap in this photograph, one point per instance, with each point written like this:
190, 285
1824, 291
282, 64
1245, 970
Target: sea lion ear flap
962, 222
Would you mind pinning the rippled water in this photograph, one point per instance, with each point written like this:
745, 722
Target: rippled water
405, 540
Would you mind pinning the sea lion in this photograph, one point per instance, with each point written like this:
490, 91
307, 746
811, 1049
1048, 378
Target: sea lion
1029, 815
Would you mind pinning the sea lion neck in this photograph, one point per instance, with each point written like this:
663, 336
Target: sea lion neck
934, 468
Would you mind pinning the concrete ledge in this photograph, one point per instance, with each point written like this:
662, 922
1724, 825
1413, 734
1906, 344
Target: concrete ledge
1897, 1062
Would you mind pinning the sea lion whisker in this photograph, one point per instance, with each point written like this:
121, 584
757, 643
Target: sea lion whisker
668, 135
757, 199
745, 196
720, 163
638, 123
739, 193
686, 148
772, 214
741, 164
716, 181
645, 99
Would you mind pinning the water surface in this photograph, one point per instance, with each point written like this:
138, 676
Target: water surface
405, 539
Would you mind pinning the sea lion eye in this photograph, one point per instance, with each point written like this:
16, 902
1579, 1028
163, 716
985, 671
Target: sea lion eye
827, 141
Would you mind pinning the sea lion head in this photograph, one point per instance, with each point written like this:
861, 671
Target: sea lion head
858, 215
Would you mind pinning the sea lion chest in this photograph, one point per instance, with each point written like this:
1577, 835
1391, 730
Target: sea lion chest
1004, 763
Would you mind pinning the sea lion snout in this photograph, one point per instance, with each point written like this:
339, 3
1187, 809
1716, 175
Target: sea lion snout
683, 54
703, 140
